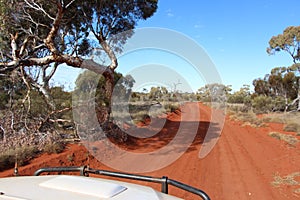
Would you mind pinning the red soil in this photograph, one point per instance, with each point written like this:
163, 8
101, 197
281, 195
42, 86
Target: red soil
241, 166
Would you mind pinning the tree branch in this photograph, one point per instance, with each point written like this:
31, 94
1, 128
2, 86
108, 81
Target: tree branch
69, 4
37, 7
107, 49
76, 62
14, 47
49, 41
23, 47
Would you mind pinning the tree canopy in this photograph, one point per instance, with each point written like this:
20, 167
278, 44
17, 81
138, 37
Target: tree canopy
38, 36
288, 41
43, 32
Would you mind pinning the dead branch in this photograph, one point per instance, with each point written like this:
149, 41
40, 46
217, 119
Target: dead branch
47, 118
59, 120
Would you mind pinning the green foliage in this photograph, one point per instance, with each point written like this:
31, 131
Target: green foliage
288, 41
262, 104
213, 93
4, 93
235, 107
62, 98
88, 82
29, 28
241, 97
159, 93
171, 107
281, 81
281, 84
104, 18
38, 107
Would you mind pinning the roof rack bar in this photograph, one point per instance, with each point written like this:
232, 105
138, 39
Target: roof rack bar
189, 188
81, 169
165, 185
164, 181
125, 175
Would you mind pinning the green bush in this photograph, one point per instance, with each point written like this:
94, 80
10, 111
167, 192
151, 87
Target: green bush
262, 104
171, 107
278, 104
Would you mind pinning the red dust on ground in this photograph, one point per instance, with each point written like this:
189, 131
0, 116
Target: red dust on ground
241, 166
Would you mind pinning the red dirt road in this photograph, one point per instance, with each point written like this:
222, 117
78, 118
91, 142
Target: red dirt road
241, 166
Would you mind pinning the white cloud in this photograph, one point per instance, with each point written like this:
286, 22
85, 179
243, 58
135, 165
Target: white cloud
170, 13
198, 26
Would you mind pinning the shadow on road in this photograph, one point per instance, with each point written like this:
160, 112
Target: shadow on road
186, 134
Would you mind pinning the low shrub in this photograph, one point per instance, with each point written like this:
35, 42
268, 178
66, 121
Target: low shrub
249, 118
262, 104
22, 155
54, 148
171, 107
292, 127
284, 137
290, 179
272, 119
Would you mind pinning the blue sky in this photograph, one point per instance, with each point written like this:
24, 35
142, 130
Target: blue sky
234, 34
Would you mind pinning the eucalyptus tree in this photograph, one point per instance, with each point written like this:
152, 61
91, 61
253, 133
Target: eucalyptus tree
289, 42
37, 36
214, 92
282, 83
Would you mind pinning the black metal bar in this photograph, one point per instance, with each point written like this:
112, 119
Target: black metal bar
189, 188
61, 169
124, 175
164, 181
164, 185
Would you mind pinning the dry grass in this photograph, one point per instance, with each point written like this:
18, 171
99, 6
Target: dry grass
289, 180
286, 180
284, 137
22, 155
138, 111
291, 120
249, 118
284, 118
54, 147
297, 191
272, 119
292, 127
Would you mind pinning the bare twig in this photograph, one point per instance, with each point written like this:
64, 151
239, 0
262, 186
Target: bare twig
3, 133
69, 4
37, 7
27, 97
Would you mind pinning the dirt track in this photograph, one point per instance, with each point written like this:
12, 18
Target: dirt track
241, 166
